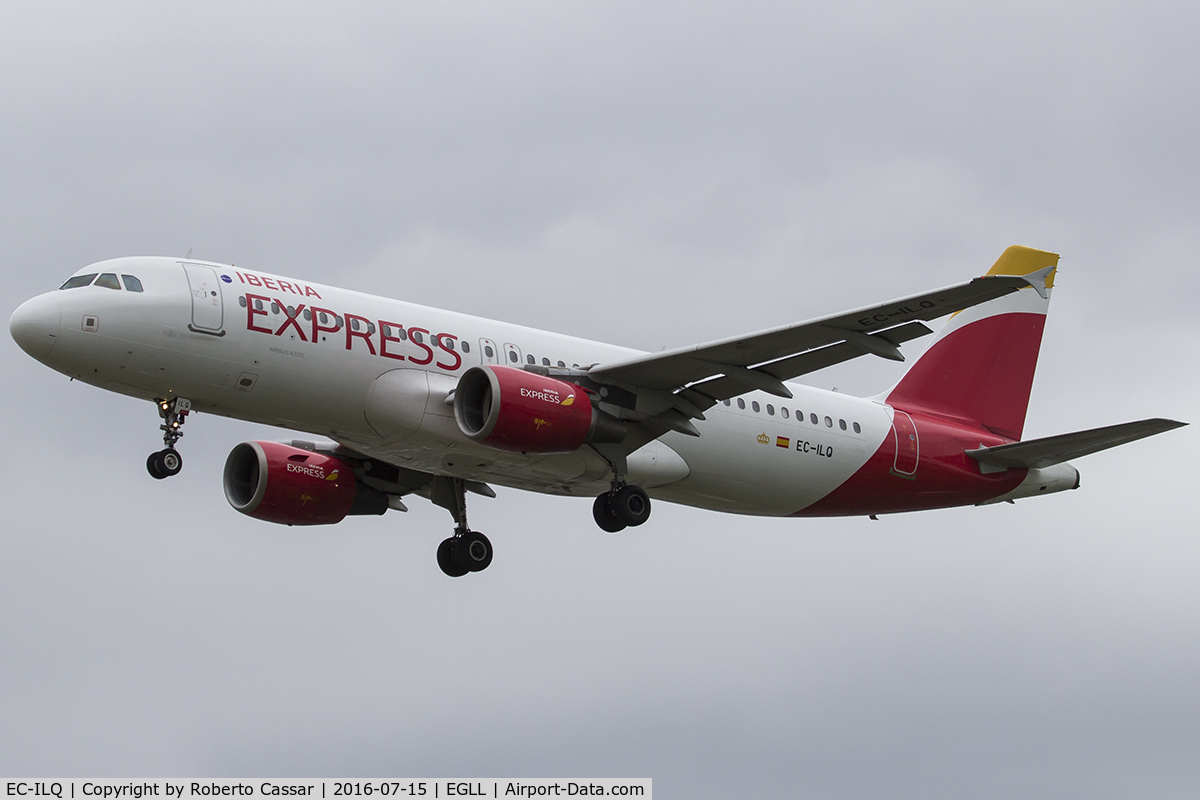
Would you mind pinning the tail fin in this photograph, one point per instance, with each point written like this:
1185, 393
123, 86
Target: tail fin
980, 367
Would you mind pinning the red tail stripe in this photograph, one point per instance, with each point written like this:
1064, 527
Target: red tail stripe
980, 374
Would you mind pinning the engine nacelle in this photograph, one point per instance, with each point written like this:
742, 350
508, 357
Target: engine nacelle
511, 409
284, 484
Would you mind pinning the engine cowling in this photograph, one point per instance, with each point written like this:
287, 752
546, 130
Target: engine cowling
511, 409
280, 483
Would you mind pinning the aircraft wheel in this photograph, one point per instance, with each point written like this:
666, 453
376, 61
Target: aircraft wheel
170, 461
602, 513
473, 551
445, 559
631, 505
154, 466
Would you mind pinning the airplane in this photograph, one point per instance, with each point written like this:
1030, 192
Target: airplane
413, 400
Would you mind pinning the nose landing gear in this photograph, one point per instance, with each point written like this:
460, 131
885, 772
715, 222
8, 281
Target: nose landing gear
168, 462
164, 463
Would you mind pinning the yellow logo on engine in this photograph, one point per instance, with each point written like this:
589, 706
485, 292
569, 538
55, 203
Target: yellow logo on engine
570, 399
333, 476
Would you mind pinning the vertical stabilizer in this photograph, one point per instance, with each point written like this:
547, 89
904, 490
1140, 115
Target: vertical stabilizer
980, 367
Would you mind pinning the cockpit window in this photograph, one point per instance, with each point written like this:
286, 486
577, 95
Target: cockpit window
79, 280
108, 281
132, 284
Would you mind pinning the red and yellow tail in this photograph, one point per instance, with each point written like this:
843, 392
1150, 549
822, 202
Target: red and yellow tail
979, 369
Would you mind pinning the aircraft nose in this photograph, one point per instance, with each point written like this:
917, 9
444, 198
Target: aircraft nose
34, 325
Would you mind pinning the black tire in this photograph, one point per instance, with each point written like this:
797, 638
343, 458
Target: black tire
445, 559
631, 505
473, 551
602, 513
154, 466
170, 461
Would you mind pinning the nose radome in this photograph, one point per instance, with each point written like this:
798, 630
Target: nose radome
34, 325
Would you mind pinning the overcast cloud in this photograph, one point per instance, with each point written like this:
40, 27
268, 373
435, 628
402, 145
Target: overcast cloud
650, 175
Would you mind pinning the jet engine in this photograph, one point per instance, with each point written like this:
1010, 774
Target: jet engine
511, 409
279, 483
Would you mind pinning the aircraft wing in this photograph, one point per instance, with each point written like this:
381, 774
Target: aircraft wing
717, 370
1041, 453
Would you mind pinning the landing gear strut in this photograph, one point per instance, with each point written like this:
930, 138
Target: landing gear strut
168, 462
467, 550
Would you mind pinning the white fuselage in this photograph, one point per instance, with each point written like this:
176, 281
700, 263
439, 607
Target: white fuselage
376, 375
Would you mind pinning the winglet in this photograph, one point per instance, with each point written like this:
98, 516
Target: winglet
1042, 281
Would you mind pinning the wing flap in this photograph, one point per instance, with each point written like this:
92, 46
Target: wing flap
1042, 453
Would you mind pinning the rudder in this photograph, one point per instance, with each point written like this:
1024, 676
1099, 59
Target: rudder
980, 368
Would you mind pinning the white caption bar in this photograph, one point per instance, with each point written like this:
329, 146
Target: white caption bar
331, 789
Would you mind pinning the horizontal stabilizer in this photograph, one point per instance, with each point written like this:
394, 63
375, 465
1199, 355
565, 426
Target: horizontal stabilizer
1042, 453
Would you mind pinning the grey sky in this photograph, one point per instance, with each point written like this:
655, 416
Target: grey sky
648, 175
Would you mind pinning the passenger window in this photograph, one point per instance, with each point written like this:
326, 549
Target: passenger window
842, 424
512, 356
487, 349
387, 330
545, 362
449, 343
466, 347
258, 305
353, 322
857, 428
403, 334
307, 315
242, 300
754, 404
370, 325
275, 309
783, 412
726, 401
741, 404
770, 410
529, 359
417, 337
79, 280
812, 418
132, 284
561, 365
109, 281
323, 317
829, 422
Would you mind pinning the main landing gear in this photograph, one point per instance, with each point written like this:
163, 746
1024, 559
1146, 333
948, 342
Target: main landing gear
467, 550
168, 462
622, 506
